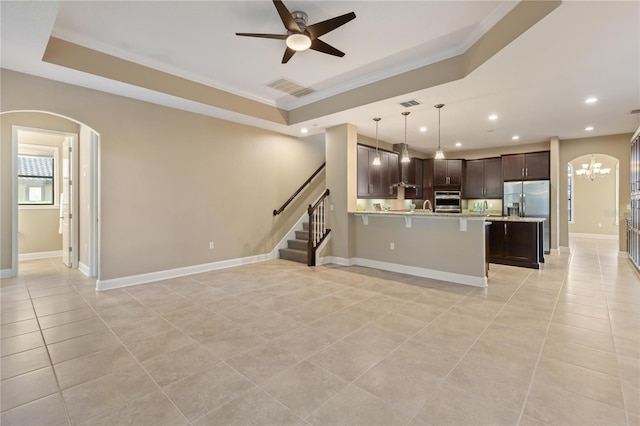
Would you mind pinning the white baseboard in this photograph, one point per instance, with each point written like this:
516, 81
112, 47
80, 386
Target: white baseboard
423, 272
84, 269
597, 236
6, 273
334, 260
39, 255
110, 284
623, 254
409, 270
564, 249
554, 252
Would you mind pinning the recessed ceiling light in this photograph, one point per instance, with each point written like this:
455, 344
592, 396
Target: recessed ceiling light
458, 143
515, 137
423, 129
588, 128
304, 130
591, 100
493, 117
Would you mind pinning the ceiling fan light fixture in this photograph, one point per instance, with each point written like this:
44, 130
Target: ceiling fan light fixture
298, 42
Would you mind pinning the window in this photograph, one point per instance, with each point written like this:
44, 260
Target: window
36, 175
570, 191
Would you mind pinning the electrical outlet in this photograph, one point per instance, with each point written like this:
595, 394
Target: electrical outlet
211, 245
392, 246
331, 207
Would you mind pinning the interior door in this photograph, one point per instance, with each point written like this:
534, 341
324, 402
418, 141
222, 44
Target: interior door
66, 203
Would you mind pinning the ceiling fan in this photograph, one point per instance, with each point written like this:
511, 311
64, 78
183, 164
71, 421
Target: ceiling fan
301, 37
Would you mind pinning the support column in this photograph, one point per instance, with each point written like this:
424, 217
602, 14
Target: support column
341, 176
556, 174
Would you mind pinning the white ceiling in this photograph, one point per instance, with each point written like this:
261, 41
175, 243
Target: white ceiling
536, 85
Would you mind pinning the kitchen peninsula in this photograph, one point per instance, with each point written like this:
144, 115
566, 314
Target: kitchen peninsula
450, 247
444, 246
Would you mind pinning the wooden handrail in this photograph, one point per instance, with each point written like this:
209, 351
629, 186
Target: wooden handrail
295, 194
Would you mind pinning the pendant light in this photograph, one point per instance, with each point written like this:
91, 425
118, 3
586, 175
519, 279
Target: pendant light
439, 153
405, 150
376, 160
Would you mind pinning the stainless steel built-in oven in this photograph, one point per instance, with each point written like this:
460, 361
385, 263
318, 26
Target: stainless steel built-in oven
448, 202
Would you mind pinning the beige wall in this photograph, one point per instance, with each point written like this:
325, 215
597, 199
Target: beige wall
172, 181
617, 146
38, 231
594, 202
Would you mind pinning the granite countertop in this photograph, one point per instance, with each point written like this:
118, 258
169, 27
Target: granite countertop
515, 219
429, 213
417, 212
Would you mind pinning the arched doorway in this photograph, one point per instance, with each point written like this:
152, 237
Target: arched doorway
85, 161
593, 189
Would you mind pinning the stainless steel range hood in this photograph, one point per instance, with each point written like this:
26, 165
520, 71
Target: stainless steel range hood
404, 169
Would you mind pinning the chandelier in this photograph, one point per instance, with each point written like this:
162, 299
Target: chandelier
593, 170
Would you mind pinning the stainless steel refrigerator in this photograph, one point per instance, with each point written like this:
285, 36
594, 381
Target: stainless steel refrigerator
530, 199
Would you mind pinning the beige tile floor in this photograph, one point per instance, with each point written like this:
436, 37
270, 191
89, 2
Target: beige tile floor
280, 343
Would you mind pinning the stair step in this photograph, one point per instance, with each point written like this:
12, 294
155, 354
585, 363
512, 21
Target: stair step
305, 225
293, 254
298, 244
302, 235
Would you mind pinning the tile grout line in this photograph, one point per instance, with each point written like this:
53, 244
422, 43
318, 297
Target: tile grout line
136, 361
444, 379
544, 340
606, 301
44, 342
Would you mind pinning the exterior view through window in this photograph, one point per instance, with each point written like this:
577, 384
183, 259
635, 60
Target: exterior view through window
35, 180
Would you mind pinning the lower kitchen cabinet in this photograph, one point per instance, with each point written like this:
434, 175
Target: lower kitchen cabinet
516, 243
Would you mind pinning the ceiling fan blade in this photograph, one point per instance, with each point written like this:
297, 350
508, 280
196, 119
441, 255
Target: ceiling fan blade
323, 47
288, 53
316, 30
276, 36
287, 18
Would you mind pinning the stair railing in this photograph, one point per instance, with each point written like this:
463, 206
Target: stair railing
318, 230
295, 194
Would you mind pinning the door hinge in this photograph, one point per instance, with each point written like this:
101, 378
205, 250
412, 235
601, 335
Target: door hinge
70, 215
70, 249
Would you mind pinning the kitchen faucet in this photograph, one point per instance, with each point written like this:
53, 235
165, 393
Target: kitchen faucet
485, 206
425, 203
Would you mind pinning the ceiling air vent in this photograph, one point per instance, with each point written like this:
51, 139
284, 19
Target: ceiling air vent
635, 111
410, 103
288, 86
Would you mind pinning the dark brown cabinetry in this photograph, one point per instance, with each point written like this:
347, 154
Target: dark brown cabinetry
483, 178
447, 174
516, 243
413, 172
529, 166
376, 181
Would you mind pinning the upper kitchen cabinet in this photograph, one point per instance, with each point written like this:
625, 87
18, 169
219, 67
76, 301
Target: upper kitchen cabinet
376, 181
413, 171
447, 174
483, 178
529, 166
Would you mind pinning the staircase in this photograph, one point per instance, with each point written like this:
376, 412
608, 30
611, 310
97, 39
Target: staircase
297, 249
